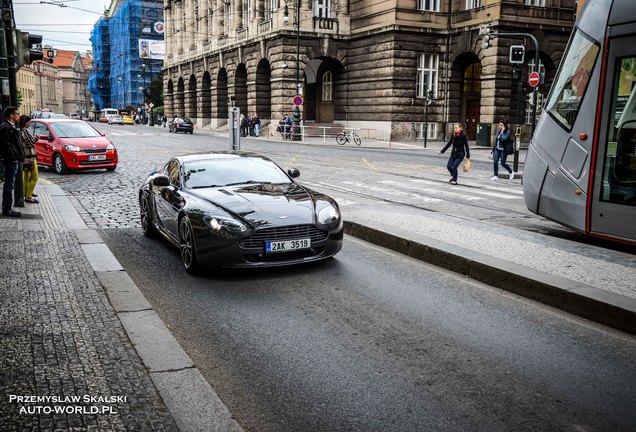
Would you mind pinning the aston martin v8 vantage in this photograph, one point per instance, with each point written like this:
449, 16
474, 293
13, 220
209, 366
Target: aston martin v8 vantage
238, 209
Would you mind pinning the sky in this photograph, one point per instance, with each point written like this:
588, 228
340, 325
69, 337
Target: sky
65, 27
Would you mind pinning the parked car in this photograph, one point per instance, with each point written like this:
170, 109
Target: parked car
65, 144
179, 124
238, 209
103, 119
46, 115
115, 119
128, 120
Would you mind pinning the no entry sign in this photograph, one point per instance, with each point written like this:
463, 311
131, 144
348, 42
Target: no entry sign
534, 79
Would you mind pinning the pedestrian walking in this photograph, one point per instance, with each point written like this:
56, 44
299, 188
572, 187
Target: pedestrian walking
165, 120
460, 150
289, 127
11, 153
502, 148
30, 167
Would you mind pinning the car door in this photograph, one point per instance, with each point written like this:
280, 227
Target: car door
43, 146
169, 199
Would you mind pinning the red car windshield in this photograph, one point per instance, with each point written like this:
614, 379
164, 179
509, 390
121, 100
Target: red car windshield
74, 130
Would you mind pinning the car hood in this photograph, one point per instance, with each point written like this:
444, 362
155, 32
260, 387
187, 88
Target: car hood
96, 142
264, 205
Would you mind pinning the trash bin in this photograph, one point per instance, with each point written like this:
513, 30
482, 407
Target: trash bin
483, 135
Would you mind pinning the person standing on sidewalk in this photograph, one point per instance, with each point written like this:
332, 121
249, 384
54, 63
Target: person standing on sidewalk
257, 125
11, 153
459, 151
502, 148
30, 170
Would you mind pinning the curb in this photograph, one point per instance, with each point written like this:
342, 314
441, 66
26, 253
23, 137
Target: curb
610, 309
190, 399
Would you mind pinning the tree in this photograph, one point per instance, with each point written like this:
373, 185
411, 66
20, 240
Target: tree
19, 97
155, 93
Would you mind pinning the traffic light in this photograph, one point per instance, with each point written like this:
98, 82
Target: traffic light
517, 53
24, 44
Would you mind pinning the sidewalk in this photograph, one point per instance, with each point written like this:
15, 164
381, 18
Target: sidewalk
82, 349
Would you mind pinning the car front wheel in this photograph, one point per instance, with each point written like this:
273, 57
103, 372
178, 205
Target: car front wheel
59, 165
187, 246
147, 226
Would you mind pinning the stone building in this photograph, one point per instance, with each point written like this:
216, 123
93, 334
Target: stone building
360, 63
48, 86
73, 72
26, 84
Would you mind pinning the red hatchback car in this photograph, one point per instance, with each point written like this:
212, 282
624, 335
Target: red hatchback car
65, 144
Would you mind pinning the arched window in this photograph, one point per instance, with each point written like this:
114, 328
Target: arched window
327, 86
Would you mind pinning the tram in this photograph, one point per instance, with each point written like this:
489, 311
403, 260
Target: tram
580, 169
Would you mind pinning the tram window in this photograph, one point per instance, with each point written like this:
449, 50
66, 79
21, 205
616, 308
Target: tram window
574, 76
619, 169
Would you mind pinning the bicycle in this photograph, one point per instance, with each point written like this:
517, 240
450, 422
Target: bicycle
347, 136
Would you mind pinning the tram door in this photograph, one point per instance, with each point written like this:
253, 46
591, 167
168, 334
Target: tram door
614, 190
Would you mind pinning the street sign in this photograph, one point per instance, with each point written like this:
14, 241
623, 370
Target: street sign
298, 100
534, 79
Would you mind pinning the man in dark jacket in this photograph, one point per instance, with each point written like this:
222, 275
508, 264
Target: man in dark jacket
11, 153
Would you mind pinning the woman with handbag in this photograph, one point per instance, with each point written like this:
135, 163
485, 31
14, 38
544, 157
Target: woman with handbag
459, 151
30, 167
502, 148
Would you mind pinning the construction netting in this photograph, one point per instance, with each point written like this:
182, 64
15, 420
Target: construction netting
135, 50
99, 79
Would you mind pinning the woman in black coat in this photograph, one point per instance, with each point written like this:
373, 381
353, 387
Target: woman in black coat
460, 151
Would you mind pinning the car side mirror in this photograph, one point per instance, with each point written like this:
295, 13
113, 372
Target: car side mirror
161, 180
293, 172
43, 137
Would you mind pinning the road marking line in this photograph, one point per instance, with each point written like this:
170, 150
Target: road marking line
369, 164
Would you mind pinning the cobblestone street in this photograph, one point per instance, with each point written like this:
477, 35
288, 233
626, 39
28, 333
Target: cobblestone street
61, 338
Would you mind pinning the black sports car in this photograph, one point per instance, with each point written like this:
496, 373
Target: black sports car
179, 124
238, 209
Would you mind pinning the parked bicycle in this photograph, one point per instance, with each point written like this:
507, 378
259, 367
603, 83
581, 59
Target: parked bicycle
347, 136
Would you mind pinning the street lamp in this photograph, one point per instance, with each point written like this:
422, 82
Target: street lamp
298, 89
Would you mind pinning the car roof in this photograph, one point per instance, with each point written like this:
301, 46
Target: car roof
58, 120
219, 155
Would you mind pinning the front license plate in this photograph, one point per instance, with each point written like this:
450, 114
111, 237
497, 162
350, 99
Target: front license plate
96, 157
287, 246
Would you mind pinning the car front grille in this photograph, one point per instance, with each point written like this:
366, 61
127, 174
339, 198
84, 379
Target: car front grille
283, 233
94, 150
96, 162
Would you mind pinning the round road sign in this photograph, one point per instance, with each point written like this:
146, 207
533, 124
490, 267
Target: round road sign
534, 79
298, 100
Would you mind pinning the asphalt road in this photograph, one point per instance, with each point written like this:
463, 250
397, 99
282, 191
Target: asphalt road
370, 340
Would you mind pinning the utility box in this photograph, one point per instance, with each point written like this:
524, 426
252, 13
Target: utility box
483, 135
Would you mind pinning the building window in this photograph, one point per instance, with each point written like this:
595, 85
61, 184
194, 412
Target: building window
327, 86
535, 3
431, 131
428, 5
321, 8
472, 4
427, 65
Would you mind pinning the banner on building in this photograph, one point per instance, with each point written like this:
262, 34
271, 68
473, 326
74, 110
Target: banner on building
152, 49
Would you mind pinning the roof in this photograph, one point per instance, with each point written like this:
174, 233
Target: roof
63, 58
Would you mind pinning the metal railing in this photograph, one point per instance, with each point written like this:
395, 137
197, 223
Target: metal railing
327, 134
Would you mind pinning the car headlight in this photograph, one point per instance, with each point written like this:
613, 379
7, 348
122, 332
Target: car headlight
72, 148
111, 146
328, 215
219, 223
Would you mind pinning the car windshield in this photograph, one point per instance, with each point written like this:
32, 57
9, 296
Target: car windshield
77, 129
232, 170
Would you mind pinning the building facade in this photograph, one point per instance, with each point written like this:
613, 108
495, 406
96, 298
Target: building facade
26, 84
73, 71
128, 53
49, 87
360, 63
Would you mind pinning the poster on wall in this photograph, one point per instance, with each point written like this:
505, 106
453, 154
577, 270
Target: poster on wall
152, 49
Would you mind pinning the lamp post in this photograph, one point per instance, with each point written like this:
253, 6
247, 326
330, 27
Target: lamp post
298, 89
